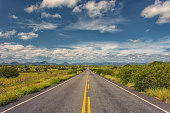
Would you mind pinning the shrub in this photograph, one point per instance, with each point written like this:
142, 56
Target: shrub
156, 63
45, 69
125, 75
27, 69
153, 75
8, 72
37, 69
71, 72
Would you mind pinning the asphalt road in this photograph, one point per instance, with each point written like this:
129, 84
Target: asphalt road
86, 93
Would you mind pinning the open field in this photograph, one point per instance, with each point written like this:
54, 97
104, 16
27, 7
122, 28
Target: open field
30, 81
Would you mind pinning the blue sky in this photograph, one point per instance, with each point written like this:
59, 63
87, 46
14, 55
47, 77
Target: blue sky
84, 30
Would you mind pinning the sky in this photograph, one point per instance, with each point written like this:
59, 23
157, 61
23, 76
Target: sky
77, 31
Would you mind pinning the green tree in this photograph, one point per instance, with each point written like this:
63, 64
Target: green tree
37, 69
21, 69
8, 72
28, 68
45, 69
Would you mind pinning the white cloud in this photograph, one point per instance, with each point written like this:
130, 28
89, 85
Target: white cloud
146, 51
96, 9
8, 33
31, 8
102, 25
27, 36
147, 30
52, 4
160, 9
77, 9
58, 3
47, 15
11, 51
134, 41
38, 26
13, 16
44, 26
63, 35
41, 26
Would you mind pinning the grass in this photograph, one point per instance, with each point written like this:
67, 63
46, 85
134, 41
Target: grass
113, 78
130, 85
162, 94
13, 92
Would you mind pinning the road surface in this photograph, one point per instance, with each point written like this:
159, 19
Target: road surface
87, 93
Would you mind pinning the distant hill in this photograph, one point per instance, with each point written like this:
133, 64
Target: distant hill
29, 63
14, 63
106, 63
66, 63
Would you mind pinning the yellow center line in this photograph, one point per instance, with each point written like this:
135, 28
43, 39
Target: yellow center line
88, 83
89, 111
84, 100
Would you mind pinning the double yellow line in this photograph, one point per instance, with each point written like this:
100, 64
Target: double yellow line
88, 99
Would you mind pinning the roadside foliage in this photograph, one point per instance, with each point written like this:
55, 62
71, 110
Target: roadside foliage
149, 78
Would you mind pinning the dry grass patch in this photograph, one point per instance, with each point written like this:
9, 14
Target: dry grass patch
162, 94
113, 78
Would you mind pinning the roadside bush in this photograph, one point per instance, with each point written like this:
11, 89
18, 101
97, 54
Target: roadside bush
126, 74
8, 72
107, 71
71, 72
153, 75
152, 79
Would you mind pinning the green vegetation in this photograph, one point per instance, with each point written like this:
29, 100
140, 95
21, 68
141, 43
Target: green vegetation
8, 72
152, 79
32, 79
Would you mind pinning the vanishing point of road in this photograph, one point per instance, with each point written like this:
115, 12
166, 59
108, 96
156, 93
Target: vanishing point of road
87, 93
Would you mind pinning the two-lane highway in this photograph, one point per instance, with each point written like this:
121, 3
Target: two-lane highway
84, 93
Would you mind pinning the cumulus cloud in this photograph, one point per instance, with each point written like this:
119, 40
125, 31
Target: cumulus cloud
77, 9
146, 51
48, 15
96, 9
52, 4
31, 8
8, 33
102, 25
58, 3
27, 36
160, 9
12, 51
13, 16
